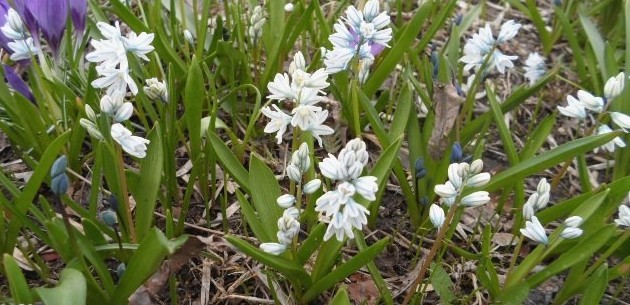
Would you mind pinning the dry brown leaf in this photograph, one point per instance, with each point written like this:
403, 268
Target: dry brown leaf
363, 290
142, 295
446, 107
504, 239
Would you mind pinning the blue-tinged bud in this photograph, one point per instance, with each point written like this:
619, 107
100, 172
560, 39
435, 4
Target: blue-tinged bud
109, 218
59, 167
456, 153
435, 61
59, 184
421, 171
120, 270
458, 19
557, 2
113, 203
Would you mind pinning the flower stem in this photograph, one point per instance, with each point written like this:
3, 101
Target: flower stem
427, 261
125, 196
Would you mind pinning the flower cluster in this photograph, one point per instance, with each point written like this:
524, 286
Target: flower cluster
577, 108
21, 46
288, 229
361, 33
111, 55
460, 175
484, 44
303, 89
338, 205
256, 22
534, 229
535, 67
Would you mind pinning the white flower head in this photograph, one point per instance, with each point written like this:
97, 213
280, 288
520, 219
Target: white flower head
610, 146
622, 120
623, 219
614, 86
115, 80
508, 30
570, 233
133, 145
273, 248
590, 102
574, 109
446, 190
535, 67
22, 49
156, 90
279, 121
13, 28
476, 199
573, 221
436, 215
484, 44
535, 231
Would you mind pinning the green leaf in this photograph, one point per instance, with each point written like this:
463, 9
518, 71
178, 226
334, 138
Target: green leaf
252, 220
229, 161
538, 137
146, 189
515, 295
17, 283
343, 271
597, 42
381, 171
597, 286
193, 102
294, 273
442, 283
376, 274
72, 289
265, 192
143, 264
341, 297
583, 250
311, 243
548, 159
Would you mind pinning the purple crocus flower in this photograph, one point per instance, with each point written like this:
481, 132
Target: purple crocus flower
16, 82
78, 13
4, 9
49, 16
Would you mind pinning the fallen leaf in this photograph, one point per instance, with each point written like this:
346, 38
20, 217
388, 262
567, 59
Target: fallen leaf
446, 107
363, 290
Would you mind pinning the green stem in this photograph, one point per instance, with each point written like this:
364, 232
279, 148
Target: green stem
125, 196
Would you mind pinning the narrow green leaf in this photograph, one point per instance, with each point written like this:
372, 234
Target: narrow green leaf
381, 171
17, 282
72, 289
265, 191
311, 243
597, 42
538, 137
252, 220
193, 105
376, 274
343, 271
597, 286
147, 187
548, 159
442, 284
229, 161
341, 297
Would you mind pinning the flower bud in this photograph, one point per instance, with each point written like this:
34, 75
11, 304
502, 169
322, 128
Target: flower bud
288, 7
59, 184
189, 37
622, 120
456, 152
91, 128
528, 211
476, 199
123, 112
421, 170
59, 167
543, 186
478, 180
454, 177
291, 212
569, 233
448, 201
436, 215
120, 270
312, 186
286, 201
89, 113
157, 90
294, 173
476, 167
614, 86
445, 190
573, 221
109, 218
273, 248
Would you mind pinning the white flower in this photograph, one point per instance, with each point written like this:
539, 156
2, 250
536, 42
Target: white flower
367, 187
624, 216
339, 228
528, 211
114, 80
273, 248
124, 112
535, 231
285, 201
139, 45
312, 186
590, 101
575, 109
108, 31
501, 61
133, 145
622, 120
291, 212
445, 190
453, 176
89, 112
22, 49
294, 173
535, 67
301, 159
508, 30
360, 33
156, 90
256, 22
478, 180
318, 129
540, 198
91, 128
304, 116
188, 36
288, 228
614, 86
109, 53
278, 123
436, 215
110, 103
570, 232
448, 201
13, 28
610, 146
476, 199
288, 7
573, 221
476, 167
